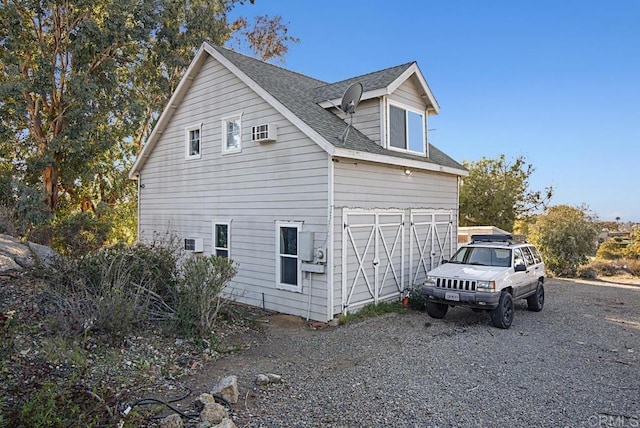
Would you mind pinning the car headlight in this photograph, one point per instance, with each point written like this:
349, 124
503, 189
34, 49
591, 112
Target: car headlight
486, 285
430, 282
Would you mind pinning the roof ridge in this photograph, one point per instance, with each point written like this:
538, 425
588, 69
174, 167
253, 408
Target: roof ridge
406, 64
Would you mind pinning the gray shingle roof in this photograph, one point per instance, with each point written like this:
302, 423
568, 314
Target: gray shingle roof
301, 94
371, 81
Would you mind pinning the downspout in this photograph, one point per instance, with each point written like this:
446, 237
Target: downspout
330, 225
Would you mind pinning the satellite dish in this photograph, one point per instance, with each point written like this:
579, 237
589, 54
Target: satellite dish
351, 98
350, 101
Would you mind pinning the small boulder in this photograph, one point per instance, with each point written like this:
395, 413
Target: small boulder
204, 399
274, 378
227, 388
172, 421
262, 379
214, 413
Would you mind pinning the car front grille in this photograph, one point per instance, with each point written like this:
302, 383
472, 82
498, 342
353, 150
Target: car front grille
456, 284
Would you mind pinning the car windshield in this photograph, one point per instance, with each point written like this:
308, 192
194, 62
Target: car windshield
482, 256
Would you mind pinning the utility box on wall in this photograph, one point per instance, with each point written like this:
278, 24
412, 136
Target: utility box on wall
305, 246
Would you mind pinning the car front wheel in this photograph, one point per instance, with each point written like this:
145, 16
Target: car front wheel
437, 310
536, 301
502, 316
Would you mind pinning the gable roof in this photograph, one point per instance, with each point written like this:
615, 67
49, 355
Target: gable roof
377, 84
296, 97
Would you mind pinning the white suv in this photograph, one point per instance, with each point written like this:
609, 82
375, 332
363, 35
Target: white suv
487, 275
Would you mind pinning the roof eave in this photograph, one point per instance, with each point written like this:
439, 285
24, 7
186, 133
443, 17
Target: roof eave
392, 160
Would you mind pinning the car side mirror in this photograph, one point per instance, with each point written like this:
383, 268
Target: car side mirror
520, 268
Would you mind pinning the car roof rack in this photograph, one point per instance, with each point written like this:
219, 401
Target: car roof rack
508, 238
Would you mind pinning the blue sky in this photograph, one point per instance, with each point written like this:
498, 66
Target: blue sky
556, 81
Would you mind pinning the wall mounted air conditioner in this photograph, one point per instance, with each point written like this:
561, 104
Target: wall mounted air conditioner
193, 245
264, 133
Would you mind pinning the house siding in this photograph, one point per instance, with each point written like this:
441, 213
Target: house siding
409, 93
286, 180
370, 186
367, 119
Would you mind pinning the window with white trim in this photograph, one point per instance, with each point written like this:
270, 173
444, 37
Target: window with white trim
193, 142
407, 129
288, 273
221, 238
232, 134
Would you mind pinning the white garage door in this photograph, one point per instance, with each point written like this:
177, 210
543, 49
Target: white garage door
430, 242
372, 256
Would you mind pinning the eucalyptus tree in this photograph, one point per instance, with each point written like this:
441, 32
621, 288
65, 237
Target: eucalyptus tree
83, 81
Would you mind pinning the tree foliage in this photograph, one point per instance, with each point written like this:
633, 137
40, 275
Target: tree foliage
566, 237
496, 193
83, 82
621, 247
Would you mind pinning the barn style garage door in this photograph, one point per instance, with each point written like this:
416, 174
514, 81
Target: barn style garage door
377, 263
372, 256
430, 242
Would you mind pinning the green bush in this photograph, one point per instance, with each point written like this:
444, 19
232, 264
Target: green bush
199, 295
417, 299
68, 405
73, 235
566, 237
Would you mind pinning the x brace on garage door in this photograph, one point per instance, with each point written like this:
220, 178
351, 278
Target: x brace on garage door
430, 243
372, 256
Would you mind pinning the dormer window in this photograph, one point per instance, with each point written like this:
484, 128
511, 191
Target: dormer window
406, 129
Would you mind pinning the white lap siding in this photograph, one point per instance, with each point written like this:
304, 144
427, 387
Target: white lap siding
264, 183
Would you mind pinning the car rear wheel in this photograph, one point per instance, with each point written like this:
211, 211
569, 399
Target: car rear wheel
536, 301
437, 310
502, 316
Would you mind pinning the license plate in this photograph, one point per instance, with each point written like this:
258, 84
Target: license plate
450, 295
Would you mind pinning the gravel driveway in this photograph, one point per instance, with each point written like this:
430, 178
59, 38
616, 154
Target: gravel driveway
575, 364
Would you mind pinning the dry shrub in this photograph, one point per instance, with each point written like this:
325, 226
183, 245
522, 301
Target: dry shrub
616, 267
112, 290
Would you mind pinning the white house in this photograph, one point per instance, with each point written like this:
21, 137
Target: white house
246, 162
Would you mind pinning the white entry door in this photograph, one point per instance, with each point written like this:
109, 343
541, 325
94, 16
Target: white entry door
431, 241
372, 256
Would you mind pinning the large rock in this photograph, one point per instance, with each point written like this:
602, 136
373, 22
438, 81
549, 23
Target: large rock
227, 388
16, 256
7, 264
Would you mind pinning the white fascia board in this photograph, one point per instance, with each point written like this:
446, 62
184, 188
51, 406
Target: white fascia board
173, 103
306, 129
413, 69
392, 160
